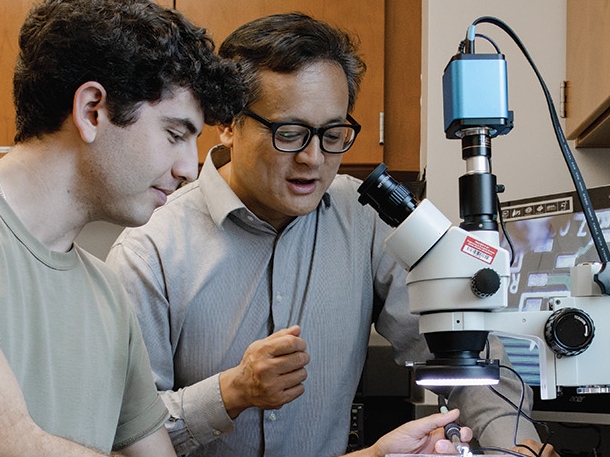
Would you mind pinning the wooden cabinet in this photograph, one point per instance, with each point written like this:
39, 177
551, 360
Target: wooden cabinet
588, 73
358, 17
402, 97
390, 35
13, 13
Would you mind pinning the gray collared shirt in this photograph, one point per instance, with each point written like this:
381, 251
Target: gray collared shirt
209, 278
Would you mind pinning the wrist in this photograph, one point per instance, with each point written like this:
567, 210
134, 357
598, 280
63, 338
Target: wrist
232, 397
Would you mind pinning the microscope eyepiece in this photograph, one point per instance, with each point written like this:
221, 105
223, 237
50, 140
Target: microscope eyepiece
392, 200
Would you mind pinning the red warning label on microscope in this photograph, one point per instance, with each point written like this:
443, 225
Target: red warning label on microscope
479, 250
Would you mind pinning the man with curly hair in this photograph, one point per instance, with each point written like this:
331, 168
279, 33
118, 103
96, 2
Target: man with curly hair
110, 96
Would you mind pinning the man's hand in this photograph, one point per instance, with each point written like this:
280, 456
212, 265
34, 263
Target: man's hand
549, 450
270, 374
421, 436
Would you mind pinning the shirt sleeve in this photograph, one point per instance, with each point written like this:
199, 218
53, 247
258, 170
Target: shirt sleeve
492, 420
142, 410
196, 413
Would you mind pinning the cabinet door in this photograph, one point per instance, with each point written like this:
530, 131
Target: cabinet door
360, 17
588, 67
13, 14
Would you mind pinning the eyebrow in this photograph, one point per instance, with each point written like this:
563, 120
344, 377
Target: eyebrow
186, 123
329, 122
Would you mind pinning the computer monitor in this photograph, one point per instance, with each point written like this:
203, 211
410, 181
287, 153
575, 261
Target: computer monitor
550, 235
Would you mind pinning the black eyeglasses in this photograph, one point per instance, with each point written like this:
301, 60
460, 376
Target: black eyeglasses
294, 136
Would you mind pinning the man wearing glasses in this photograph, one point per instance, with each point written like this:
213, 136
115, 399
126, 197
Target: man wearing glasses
256, 286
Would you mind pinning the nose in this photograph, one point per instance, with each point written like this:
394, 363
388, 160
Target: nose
312, 155
186, 167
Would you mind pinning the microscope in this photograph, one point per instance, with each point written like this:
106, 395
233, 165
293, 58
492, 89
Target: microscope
458, 276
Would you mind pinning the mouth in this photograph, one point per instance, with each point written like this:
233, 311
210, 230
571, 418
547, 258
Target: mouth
302, 182
163, 194
302, 186
167, 192
167, 188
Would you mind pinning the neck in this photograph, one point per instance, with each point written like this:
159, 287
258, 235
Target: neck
37, 184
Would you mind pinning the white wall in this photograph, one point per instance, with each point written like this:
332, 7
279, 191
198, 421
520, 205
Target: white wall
527, 160
97, 237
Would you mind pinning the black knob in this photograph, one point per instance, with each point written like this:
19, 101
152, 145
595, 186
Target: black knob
485, 282
353, 438
569, 331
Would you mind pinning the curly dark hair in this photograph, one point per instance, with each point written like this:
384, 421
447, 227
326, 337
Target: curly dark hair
138, 50
286, 43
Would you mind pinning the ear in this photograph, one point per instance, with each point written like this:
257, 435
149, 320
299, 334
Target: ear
226, 133
89, 109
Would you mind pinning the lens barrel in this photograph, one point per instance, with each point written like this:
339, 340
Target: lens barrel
392, 200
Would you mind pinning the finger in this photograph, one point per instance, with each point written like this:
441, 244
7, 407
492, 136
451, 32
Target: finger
280, 390
294, 392
432, 425
294, 377
466, 434
442, 419
444, 447
285, 365
295, 330
284, 344
273, 381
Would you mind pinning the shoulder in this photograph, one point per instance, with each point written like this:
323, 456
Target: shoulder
182, 212
344, 201
172, 235
343, 191
343, 198
100, 276
343, 213
346, 183
103, 289
186, 199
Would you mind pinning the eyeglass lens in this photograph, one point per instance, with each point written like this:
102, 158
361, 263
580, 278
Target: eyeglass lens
294, 137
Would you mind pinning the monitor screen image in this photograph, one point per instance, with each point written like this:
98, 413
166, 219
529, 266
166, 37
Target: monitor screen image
550, 235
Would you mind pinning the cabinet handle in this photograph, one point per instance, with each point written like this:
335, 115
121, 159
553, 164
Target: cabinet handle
562, 99
381, 128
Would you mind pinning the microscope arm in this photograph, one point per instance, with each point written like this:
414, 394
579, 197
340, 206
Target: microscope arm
523, 325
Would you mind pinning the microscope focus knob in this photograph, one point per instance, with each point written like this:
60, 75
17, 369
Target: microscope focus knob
569, 331
485, 282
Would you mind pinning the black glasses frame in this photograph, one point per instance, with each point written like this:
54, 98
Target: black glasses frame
319, 131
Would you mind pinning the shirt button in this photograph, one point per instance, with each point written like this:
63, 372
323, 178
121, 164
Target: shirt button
272, 416
250, 218
278, 297
217, 433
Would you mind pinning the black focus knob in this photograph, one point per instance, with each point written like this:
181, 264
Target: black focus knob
569, 331
485, 282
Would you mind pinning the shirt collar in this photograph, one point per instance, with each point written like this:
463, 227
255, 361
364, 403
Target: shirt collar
220, 198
